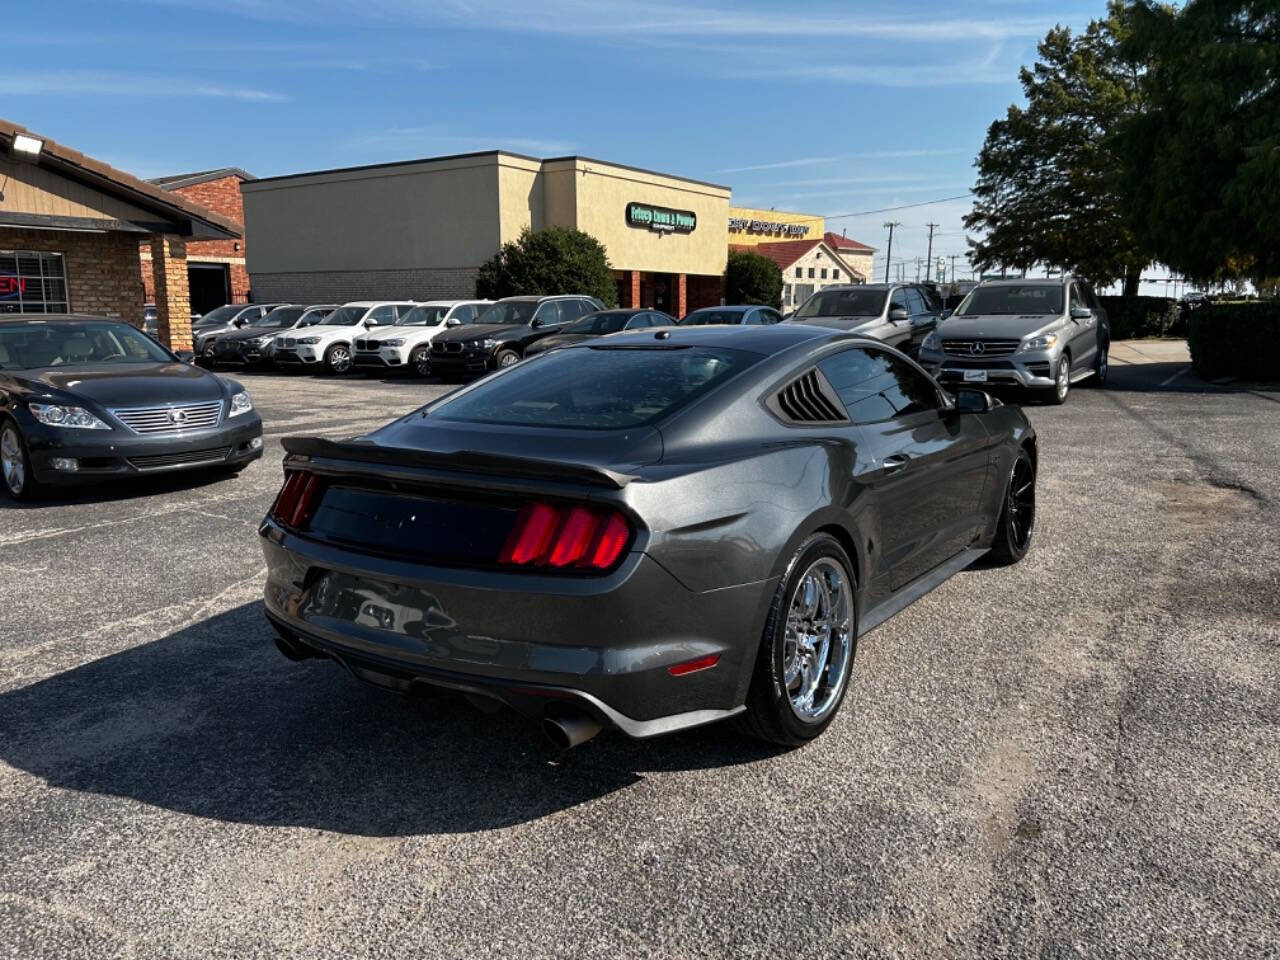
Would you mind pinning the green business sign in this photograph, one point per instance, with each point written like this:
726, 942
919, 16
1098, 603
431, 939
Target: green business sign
661, 219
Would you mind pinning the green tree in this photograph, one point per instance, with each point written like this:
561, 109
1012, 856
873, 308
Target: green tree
1049, 188
554, 260
1202, 160
751, 278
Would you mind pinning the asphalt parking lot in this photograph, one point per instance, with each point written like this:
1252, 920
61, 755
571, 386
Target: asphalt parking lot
1079, 755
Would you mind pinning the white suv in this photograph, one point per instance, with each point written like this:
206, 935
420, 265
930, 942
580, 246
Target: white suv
328, 345
407, 345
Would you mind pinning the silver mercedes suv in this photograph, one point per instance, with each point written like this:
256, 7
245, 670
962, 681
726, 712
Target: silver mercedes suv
1044, 335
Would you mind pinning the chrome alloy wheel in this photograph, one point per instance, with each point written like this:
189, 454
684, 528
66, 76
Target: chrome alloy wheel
12, 464
1022, 503
818, 644
339, 359
1063, 383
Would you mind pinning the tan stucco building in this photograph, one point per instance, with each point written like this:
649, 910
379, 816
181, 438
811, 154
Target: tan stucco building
420, 229
750, 226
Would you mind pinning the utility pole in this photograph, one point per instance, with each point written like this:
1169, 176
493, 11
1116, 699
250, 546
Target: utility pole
953, 268
917, 269
888, 257
928, 260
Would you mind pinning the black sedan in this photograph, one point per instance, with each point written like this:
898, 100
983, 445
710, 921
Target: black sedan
602, 324
650, 532
84, 399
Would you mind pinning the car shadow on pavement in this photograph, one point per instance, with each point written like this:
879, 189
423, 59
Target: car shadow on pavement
212, 721
126, 488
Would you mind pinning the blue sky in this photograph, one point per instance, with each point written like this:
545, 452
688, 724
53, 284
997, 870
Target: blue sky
823, 107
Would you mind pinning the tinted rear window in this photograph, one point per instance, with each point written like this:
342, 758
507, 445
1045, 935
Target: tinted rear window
599, 388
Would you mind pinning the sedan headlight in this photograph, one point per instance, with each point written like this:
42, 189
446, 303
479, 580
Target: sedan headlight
1045, 342
56, 415
932, 341
488, 344
240, 403
310, 340
262, 341
393, 343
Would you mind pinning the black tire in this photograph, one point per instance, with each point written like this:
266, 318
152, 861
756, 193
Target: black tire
1101, 366
26, 487
337, 359
770, 715
1017, 523
505, 358
420, 361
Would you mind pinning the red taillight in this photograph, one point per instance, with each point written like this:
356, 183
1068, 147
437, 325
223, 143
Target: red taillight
693, 666
579, 537
298, 498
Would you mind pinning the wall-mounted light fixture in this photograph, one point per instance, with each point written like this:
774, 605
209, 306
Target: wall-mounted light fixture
26, 147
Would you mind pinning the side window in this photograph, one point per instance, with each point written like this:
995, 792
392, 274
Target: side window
753, 317
931, 299
799, 271
915, 302
1078, 297
383, 314
549, 312
771, 316
899, 300
402, 309
875, 386
467, 312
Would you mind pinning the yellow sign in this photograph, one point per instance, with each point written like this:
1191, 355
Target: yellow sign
750, 226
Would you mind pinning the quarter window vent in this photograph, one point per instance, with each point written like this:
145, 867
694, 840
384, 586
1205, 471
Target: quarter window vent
808, 399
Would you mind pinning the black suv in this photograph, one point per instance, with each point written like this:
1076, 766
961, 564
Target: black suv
499, 335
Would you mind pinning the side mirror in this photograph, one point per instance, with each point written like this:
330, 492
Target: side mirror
453, 322
946, 313
186, 356
372, 322
1081, 312
969, 400
898, 314
536, 323
240, 321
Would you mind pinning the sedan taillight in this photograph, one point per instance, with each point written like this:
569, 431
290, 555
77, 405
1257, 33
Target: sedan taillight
297, 500
560, 537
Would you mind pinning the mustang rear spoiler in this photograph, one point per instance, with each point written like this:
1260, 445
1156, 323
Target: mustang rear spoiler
466, 461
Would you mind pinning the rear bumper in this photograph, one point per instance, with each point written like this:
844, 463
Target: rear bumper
536, 643
112, 454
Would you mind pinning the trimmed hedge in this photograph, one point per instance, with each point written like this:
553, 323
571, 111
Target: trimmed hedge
1237, 340
1131, 317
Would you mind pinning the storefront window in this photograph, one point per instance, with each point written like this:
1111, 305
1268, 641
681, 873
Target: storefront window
32, 282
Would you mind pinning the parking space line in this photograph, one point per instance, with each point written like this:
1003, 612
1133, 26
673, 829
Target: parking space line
1174, 377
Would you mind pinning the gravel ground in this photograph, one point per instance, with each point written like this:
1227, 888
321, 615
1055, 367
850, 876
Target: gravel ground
1073, 756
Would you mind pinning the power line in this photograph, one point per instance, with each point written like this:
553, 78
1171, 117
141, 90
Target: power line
905, 206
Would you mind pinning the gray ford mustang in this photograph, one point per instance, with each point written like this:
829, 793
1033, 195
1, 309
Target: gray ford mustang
650, 532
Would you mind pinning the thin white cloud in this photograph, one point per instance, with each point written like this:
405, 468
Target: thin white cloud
845, 157
620, 18
61, 83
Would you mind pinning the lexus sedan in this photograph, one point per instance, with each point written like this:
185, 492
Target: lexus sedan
83, 399
649, 531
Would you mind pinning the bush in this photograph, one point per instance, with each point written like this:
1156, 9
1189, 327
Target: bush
1236, 340
751, 278
1131, 317
551, 261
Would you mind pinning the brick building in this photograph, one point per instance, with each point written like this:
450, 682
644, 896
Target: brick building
855, 254
216, 272
70, 227
807, 266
